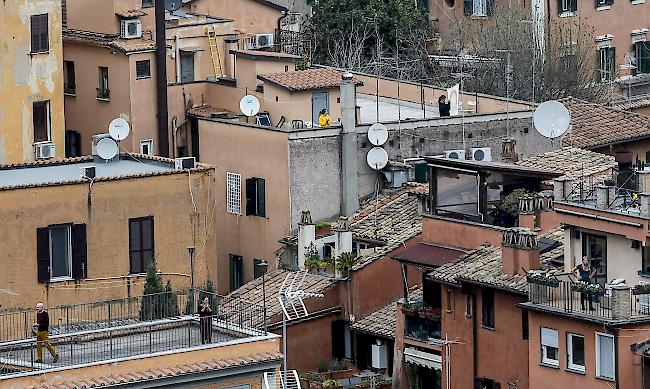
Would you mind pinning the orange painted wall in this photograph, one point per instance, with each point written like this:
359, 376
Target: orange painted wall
459, 234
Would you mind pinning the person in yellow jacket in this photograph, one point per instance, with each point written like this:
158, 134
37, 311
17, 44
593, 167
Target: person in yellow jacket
324, 119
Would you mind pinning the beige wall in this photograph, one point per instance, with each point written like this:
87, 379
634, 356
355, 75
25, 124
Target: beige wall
247, 70
638, 148
26, 78
166, 198
250, 16
144, 123
99, 15
280, 102
252, 152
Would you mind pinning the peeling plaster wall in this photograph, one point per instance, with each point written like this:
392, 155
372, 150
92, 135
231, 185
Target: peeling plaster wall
26, 77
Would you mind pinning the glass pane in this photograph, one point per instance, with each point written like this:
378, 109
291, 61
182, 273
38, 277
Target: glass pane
147, 259
40, 121
134, 237
551, 353
578, 350
606, 356
60, 251
457, 192
136, 262
147, 234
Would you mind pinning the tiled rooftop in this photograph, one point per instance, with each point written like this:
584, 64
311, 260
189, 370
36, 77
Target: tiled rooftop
132, 378
108, 40
130, 13
380, 322
633, 103
573, 162
305, 79
266, 55
595, 125
483, 266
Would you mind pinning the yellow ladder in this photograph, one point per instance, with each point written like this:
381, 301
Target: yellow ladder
214, 51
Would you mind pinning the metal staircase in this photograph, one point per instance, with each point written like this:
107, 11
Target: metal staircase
274, 380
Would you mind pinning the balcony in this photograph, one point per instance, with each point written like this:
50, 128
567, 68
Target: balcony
123, 329
610, 304
422, 323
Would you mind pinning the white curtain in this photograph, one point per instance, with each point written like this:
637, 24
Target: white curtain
605, 356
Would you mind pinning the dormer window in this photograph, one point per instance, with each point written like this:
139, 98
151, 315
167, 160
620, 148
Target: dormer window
131, 28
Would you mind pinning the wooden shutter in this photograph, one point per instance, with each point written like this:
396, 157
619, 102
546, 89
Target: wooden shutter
251, 202
43, 254
40, 33
574, 5
261, 197
468, 7
490, 7
611, 59
79, 252
64, 13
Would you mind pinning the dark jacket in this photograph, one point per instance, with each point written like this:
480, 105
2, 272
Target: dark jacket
444, 108
43, 321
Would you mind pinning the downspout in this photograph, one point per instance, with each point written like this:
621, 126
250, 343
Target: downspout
177, 40
161, 79
616, 369
474, 346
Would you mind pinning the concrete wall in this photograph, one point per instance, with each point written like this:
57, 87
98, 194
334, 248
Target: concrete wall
252, 152
629, 365
26, 78
249, 16
166, 198
280, 102
458, 233
142, 98
99, 15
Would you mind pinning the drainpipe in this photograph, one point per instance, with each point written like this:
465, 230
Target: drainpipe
474, 346
161, 79
177, 40
616, 369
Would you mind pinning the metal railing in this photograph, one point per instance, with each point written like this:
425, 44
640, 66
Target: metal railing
109, 313
420, 328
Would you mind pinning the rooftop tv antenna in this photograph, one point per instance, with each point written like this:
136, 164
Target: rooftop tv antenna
249, 105
119, 129
377, 134
377, 158
107, 149
551, 119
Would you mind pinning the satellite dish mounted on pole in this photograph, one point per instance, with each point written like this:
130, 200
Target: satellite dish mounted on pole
551, 119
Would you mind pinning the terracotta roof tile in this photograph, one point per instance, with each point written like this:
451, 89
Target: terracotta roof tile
305, 79
108, 40
633, 103
574, 163
130, 13
134, 45
594, 125
266, 54
380, 322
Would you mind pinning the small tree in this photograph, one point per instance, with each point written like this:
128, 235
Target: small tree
158, 301
207, 291
345, 262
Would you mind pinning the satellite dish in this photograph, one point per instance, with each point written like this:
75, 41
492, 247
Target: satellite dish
249, 105
377, 134
173, 5
119, 129
107, 149
377, 158
551, 119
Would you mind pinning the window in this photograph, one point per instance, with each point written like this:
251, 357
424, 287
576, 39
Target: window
550, 346
605, 356
143, 69
103, 93
575, 350
450, 301
478, 7
187, 66
567, 6
141, 244
357, 247
486, 383
146, 147
147, 3
236, 272
607, 63
41, 117
257, 269
72, 144
525, 334
642, 55
487, 299
40, 34
603, 3
255, 197
469, 305
645, 260
233, 193
69, 86
61, 252
595, 248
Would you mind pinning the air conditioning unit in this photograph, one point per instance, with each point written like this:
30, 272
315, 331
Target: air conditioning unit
379, 356
96, 138
263, 40
44, 150
455, 154
185, 163
481, 154
88, 172
131, 29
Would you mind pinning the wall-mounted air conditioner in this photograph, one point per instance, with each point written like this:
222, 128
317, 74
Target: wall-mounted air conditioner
131, 29
185, 163
88, 172
263, 40
379, 356
455, 154
481, 154
44, 150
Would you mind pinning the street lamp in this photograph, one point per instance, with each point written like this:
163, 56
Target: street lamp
264, 265
190, 251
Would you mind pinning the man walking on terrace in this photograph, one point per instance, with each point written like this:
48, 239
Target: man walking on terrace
43, 326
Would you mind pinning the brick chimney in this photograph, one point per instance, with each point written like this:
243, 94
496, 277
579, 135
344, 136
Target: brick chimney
306, 236
508, 152
605, 196
520, 252
562, 188
644, 180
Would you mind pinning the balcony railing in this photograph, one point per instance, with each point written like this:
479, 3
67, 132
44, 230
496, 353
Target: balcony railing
421, 322
612, 303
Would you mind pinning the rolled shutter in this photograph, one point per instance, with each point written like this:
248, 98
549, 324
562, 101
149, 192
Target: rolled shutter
549, 337
250, 197
261, 197
43, 254
79, 252
467, 7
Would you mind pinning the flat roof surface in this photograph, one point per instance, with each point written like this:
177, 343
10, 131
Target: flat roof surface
492, 166
390, 111
39, 174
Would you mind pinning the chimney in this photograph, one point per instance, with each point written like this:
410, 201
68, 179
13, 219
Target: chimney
520, 252
644, 204
562, 188
644, 181
342, 239
620, 302
306, 236
350, 194
508, 153
605, 196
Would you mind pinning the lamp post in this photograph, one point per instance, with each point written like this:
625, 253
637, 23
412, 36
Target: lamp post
264, 266
190, 251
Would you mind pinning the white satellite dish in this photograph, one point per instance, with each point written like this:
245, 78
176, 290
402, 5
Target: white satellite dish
107, 149
119, 129
249, 105
551, 119
377, 134
377, 158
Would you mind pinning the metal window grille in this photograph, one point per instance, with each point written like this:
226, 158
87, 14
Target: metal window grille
233, 182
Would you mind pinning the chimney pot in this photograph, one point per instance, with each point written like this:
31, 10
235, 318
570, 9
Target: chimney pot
644, 180
520, 251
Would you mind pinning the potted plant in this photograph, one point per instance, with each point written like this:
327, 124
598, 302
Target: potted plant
430, 313
641, 289
585, 287
410, 309
345, 262
331, 384
312, 259
542, 279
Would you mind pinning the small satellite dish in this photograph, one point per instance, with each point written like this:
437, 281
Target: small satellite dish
249, 105
377, 134
377, 158
107, 149
119, 129
173, 5
551, 119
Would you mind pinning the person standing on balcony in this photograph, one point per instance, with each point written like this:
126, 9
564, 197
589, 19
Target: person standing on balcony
324, 119
444, 107
205, 321
585, 273
42, 326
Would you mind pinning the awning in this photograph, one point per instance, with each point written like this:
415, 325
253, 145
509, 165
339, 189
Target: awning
430, 255
424, 359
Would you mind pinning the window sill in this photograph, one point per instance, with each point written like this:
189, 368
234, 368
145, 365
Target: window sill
478, 17
493, 329
70, 94
142, 78
637, 2
576, 371
32, 53
549, 365
61, 279
643, 274
567, 14
604, 8
103, 99
606, 379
